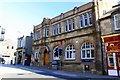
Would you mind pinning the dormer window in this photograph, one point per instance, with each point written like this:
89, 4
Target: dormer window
117, 22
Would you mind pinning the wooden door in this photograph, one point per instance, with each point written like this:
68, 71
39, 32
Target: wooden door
46, 59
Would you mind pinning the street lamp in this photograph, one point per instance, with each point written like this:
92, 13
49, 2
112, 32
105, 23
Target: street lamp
2, 33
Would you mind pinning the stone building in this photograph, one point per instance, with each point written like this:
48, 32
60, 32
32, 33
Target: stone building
73, 35
71, 41
110, 34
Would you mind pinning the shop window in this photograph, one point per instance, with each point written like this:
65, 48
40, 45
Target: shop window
110, 60
87, 50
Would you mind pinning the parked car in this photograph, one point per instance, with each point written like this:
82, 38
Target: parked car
2, 61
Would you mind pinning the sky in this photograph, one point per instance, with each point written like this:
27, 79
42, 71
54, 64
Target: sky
18, 16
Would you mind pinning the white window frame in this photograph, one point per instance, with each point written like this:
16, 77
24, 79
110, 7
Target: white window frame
69, 24
66, 26
115, 25
69, 49
89, 16
37, 35
46, 31
36, 54
113, 56
85, 19
59, 28
81, 16
73, 23
86, 49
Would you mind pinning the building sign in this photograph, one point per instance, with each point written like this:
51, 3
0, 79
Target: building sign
113, 38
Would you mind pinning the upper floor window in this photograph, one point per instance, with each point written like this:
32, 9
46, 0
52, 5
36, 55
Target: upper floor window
90, 18
117, 21
69, 25
73, 24
70, 52
66, 26
87, 50
86, 20
81, 21
46, 31
37, 35
57, 29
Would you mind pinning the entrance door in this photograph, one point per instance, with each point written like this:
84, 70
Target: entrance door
46, 58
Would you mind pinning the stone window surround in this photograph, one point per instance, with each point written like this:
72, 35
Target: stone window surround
57, 29
87, 46
86, 16
69, 25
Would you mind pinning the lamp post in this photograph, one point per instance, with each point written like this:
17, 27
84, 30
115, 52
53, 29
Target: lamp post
2, 32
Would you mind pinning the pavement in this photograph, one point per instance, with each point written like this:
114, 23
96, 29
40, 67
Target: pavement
63, 74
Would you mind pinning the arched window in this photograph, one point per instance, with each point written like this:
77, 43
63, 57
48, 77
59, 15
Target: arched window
70, 52
87, 50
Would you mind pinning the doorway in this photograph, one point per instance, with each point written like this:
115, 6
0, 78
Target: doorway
46, 57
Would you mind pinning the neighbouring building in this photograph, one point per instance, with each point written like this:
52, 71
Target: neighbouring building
7, 49
110, 33
35, 60
24, 50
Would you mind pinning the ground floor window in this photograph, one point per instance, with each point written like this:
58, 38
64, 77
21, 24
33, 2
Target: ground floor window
87, 50
70, 52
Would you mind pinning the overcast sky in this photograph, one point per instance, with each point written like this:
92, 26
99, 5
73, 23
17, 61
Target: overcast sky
18, 16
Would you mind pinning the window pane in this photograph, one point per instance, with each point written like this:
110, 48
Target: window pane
85, 20
67, 54
73, 55
111, 61
81, 21
88, 53
87, 45
70, 54
90, 17
83, 53
71, 47
92, 53
69, 23
73, 25
83, 46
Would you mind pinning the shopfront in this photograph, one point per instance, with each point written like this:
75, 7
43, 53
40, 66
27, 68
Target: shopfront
112, 54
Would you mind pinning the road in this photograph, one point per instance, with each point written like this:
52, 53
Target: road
16, 72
